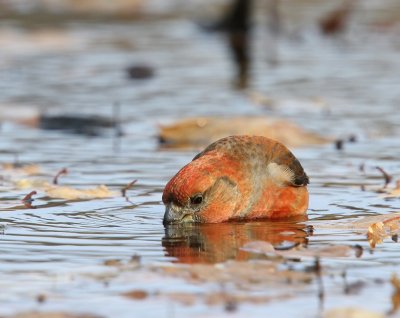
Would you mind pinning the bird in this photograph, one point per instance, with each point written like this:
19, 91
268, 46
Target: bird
237, 178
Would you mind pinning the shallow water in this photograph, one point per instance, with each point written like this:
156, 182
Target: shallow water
56, 247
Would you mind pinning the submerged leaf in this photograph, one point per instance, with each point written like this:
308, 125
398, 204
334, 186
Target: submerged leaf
298, 251
240, 273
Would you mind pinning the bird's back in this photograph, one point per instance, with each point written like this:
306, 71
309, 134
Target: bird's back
259, 150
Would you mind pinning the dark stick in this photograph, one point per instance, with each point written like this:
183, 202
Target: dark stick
59, 173
127, 187
27, 200
388, 178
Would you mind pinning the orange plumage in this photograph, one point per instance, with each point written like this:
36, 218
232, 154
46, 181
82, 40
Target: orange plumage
237, 178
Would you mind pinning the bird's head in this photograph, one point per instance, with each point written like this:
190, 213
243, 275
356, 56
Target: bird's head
204, 191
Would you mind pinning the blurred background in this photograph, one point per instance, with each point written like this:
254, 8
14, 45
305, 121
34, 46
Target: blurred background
160, 61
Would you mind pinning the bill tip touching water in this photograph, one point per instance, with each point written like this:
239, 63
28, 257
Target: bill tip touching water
237, 178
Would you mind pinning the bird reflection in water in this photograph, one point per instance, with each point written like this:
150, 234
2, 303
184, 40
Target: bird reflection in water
214, 243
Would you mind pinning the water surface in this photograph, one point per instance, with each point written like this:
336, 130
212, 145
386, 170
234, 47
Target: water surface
55, 248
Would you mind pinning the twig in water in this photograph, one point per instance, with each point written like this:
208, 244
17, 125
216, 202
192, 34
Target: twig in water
117, 127
352, 138
339, 144
127, 187
59, 173
388, 178
345, 284
27, 200
231, 305
358, 250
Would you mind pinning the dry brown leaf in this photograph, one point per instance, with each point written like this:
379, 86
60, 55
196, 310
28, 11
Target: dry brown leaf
113, 262
29, 170
64, 192
376, 227
378, 231
201, 131
31, 184
351, 313
136, 294
262, 247
69, 193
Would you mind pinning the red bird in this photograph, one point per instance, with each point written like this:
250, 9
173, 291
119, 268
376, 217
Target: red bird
237, 178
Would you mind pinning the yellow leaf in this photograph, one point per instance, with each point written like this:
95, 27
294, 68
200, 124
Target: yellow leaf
351, 313
69, 193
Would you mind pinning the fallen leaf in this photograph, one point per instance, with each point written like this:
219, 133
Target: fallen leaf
30, 169
113, 262
378, 231
136, 294
31, 183
351, 313
68, 193
200, 132
226, 298
64, 192
375, 227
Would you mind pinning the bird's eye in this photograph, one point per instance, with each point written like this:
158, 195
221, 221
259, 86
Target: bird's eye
196, 199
